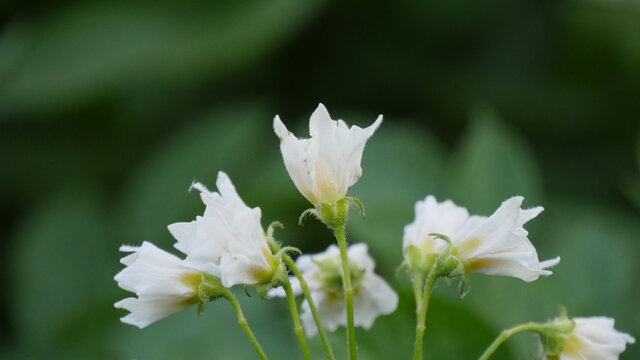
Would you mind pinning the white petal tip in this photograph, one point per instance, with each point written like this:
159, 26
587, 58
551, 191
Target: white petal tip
378, 121
279, 128
198, 186
129, 248
321, 112
223, 176
550, 263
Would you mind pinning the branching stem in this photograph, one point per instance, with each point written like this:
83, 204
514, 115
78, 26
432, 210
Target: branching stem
297, 326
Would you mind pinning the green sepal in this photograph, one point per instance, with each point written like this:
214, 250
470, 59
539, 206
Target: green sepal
200, 308
443, 237
358, 204
332, 275
280, 277
404, 267
445, 265
272, 226
274, 246
305, 214
262, 289
333, 215
210, 288
464, 287
246, 290
418, 263
555, 334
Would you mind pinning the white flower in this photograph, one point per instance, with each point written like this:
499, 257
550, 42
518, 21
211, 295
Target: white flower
322, 272
325, 166
494, 245
594, 338
164, 284
227, 240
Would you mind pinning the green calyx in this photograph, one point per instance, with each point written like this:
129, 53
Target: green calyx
331, 276
333, 215
555, 334
446, 264
209, 289
417, 262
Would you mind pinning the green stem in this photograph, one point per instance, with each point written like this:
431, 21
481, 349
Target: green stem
421, 310
418, 285
504, 335
348, 289
314, 311
297, 327
242, 321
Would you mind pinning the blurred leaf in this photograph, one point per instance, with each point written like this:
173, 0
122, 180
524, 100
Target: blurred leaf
491, 163
214, 335
90, 49
599, 246
631, 185
61, 264
452, 333
157, 193
401, 165
613, 23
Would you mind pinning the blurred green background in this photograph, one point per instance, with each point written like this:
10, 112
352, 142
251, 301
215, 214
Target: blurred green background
110, 109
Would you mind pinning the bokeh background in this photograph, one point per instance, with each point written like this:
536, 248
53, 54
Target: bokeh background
110, 109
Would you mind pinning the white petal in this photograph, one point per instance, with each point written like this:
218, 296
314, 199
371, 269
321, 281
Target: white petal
326, 165
331, 310
444, 218
227, 241
163, 283
596, 339
353, 149
185, 233
359, 256
145, 312
296, 159
550, 263
374, 298
498, 245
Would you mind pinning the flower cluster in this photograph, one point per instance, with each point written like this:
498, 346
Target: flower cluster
227, 246
227, 243
227, 240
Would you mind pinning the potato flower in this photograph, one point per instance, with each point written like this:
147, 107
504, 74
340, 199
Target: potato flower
323, 273
164, 284
326, 165
494, 245
594, 338
227, 240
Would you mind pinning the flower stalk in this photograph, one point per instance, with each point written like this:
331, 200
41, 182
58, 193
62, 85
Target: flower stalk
312, 306
348, 289
244, 324
422, 305
297, 326
506, 334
